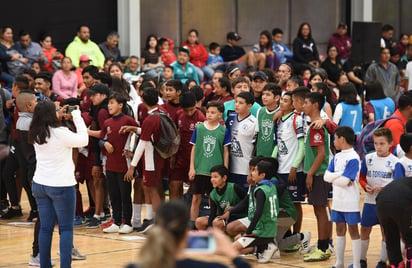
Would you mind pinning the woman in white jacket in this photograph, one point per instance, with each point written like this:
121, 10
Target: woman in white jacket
53, 181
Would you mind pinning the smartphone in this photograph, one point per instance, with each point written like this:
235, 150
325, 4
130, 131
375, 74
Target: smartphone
70, 109
200, 242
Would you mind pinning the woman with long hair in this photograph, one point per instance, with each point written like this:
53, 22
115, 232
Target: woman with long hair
65, 80
377, 105
151, 59
264, 55
198, 55
51, 53
53, 180
332, 65
305, 51
348, 111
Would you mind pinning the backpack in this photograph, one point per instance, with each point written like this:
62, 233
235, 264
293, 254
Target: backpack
128, 110
364, 141
169, 140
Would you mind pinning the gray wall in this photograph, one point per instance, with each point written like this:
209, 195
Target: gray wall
394, 12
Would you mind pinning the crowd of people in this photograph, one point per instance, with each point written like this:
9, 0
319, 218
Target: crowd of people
258, 133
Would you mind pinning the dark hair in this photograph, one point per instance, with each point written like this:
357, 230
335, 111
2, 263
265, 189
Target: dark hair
21, 82
316, 97
288, 93
297, 80
187, 100
193, 31
347, 133
145, 84
253, 162
187, 83
384, 132
219, 106
374, 91
91, 69
148, 42
23, 33
176, 84
198, 91
43, 36
161, 41
112, 34
247, 96
300, 30
300, 92
104, 78
269, 74
327, 94
44, 76
4, 28
225, 83
406, 142
269, 37
348, 94
274, 88
213, 46
110, 59
30, 72
387, 27
408, 126
329, 48
150, 96
44, 118
115, 64
276, 31
238, 80
80, 27
169, 67
322, 76
269, 166
119, 98
221, 170
405, 100
120, 86
230, 70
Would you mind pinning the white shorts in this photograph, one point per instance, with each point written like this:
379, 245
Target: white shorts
245, 221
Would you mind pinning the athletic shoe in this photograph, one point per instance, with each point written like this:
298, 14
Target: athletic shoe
292, 248
125, 229
146, 225
93, 223
33, 216
35, 261
107, 213
78, 220
317, 255
267, 254
89, 212
276, 254
76, 255
12, 214
136, 223
106, 224
331, 248
114, 228
305, 243
381, 264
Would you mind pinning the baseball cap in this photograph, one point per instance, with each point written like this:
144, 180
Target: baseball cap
342, 25
184, 49
98, 88
233, 36
84, 57
261, 75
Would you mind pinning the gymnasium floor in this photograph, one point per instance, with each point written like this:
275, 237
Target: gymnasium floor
113, 250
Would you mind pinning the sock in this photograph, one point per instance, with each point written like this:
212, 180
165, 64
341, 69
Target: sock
340, 250
384, 253
102, 215
149, 211
364, 248
402, 247
323, 244
356, 251
137, 213
96, 216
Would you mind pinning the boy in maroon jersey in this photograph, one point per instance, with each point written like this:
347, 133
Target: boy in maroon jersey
153, 163
116, 165
172, 93
187, 119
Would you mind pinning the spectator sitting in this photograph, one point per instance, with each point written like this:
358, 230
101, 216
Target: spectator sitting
53, 56
109, 48
166, 46
30, 50
280, 49
233, 53
342, 41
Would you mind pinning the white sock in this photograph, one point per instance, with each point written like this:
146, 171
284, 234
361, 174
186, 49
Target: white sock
364, 248
102, 214
384, 253
96, 216
148, 211
340, 250
403, 247
137, 211
356, 251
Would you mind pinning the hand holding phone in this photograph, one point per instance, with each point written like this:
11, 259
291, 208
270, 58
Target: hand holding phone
200, 242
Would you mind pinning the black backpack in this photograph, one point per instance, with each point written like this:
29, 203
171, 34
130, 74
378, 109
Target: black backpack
169, 140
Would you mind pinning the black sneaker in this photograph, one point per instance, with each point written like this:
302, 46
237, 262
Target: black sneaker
381, 264
12, 213
89, 212
107, 213
33, 216
146, 225
93, 223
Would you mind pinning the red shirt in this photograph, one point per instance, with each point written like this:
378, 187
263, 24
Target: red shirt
396, 126
225, 99
151, 126
116, 162
142, 112
171, 109
186, 125
316, 137
85, 101
198, 54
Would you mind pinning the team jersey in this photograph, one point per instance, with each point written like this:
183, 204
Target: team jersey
346, 198
398, 152
243, 135
315, 138
228, 198
403, 168
265, 144
383, 108
209, 147
288, 131
230, 109
266, 226
379, 171
351, 116
285, 202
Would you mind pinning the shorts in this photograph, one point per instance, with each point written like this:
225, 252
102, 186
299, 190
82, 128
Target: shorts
239, 179
369, 216
179, 174
153, 178
351, 218
202, 185
245, 221
252, 241
297, 190
320, 190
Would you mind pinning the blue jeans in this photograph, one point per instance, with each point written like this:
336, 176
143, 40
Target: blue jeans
60, 203
7, 79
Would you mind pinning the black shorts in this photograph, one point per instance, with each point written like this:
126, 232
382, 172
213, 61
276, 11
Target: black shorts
320, 191
202, 185
297, 190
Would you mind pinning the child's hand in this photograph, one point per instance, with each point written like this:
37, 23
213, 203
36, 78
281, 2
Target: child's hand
192, 174
109, 147
129, 174
127, 154
292, 175
309, 182
224, 216
318, 124
377, 189
277, 116
368, 189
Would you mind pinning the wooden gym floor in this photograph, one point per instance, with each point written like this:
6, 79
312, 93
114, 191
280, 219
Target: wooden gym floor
113, 250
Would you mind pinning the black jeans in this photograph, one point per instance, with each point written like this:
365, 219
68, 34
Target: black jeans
120, 196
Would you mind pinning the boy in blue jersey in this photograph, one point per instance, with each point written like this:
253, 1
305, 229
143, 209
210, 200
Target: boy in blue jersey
343, 172
404, 167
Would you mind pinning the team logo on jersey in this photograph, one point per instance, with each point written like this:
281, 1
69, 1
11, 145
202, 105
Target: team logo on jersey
317, 137
209, 144
224, 204
267, 130
192, 126
236, 149
388, 163
108, 130
283, 149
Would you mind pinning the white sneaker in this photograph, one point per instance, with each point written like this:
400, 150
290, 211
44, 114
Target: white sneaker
276, 255
76, 255
266, 255
111, 229
125, 229
35, 261
305, 243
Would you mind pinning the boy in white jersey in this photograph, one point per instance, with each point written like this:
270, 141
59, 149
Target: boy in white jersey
289, 150
376, 172
404, 167
343, 172
270, 98
243, 129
